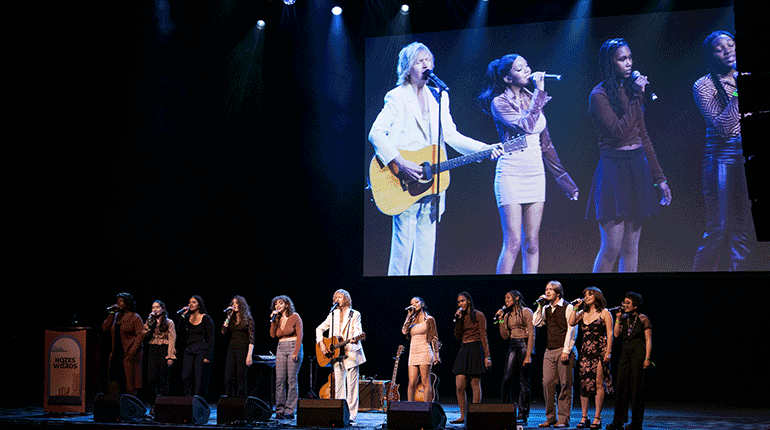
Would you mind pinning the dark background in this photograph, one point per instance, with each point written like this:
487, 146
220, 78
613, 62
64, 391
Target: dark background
148, 152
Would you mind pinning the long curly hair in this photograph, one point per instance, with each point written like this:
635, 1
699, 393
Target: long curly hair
244, 311
611, 82
494, 81
713, 67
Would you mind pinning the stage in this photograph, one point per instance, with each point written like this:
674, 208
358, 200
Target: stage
657, 416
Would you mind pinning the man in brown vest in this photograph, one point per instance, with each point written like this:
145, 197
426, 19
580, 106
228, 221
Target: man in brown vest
560, 354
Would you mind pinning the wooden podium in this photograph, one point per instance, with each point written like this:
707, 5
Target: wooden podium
71, 373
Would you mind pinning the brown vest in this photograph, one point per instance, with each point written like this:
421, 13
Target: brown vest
556, 326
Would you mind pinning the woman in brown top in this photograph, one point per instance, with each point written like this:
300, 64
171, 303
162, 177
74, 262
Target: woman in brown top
125, 365
162, 349
286, 325
474, 356
622, 194
516, 326
420, 329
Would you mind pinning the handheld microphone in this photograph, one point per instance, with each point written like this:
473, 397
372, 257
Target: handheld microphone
112, 308
499, 320
548, 77
575, 302
274, 317
615, 309
459, 310
335, 306
635, 74
183, 310
541, 301
428, 74
229, 309
409, 308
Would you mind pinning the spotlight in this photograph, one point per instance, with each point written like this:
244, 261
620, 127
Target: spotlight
260, 24
405, 9
289, 2
336, 10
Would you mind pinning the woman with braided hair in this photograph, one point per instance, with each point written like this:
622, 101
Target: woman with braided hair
729, 228
622, 193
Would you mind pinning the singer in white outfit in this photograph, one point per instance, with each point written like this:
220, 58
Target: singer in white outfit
345, 322
409, 120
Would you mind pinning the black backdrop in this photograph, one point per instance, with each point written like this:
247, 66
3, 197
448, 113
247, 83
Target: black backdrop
126, 173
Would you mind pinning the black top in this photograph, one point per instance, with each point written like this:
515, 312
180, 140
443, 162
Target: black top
200, 338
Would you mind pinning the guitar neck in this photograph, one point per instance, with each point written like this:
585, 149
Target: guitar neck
513, 144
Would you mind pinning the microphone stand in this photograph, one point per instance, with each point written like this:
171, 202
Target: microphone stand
437, 174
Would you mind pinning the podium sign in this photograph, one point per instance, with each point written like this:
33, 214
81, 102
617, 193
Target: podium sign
65, 371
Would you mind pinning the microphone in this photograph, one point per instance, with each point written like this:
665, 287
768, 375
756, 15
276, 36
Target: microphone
460, 310
499, 320
335, 306
428, 74
183, 310
229, 309
635, 74
575, 302
112, 308
615, 309
274, 317
408, 308
548, 77
541, 301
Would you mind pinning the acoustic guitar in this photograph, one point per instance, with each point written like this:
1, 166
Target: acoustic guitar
334, 345
393, 194
391, 395
419, 395
327, 389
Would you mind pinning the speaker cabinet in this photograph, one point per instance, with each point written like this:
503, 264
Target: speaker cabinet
491, 416
113, 408
248, 409
182, 410
323, 412
416, 415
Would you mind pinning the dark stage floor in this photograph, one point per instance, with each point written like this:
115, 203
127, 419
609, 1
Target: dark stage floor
658, 416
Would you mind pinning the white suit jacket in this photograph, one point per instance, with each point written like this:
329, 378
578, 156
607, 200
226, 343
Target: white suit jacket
350, 327
400, 125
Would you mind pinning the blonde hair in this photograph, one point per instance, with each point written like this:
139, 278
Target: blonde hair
406, 60
348, 301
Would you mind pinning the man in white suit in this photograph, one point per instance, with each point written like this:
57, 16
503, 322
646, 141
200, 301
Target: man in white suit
345, 322
409, 120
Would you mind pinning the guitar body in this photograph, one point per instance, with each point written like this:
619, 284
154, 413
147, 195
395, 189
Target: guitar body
394, 195
327, 390
334, 345
420, 394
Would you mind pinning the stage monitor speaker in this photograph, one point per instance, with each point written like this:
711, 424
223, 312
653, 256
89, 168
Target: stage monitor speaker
125, 408
416, 415
491, 416
182, 410
246, 409
323, 412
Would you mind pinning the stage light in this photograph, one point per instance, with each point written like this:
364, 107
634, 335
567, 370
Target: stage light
260, 24
336, 10
405, 9
288, 2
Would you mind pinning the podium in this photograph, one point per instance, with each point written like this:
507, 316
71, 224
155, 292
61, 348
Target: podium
71, 373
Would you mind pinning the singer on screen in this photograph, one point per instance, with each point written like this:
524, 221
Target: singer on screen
515, 321
473, 356
420, 328
240, 326
729, 231
407, 124
286, 326
623, 190
520, 174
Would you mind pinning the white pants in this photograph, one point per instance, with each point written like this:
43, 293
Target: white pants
413, 242
346, 387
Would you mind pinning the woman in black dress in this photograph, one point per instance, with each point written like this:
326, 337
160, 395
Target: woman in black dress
200, 348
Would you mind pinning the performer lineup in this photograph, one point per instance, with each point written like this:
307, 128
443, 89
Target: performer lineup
339, 345
629, 185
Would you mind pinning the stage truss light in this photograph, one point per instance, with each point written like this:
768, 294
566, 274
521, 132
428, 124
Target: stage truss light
336, 10
405, 9
260, 24
289, 2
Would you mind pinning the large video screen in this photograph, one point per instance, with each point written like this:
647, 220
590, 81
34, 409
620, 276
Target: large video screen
665, 47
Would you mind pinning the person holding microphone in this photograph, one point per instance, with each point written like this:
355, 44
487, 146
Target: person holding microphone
286, 326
